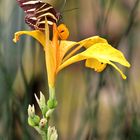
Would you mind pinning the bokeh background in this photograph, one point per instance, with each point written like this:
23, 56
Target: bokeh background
92, 106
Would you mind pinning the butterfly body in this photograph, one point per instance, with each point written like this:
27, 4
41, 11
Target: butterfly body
36, 12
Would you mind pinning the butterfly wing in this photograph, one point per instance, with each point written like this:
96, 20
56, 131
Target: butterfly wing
36, 12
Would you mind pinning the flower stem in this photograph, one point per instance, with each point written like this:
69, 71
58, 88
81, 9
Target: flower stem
51, 92
44, 137
52, 102
44, 134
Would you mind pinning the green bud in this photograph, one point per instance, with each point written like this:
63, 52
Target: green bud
52, 103
33, 121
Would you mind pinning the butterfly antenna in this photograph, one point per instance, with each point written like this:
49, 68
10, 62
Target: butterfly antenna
64, 4
72, 9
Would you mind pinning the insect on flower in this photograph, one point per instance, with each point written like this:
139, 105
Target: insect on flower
36, 12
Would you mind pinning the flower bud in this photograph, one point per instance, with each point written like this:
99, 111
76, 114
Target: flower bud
52, 133
49, 112
43, 122
33, 121
31, 111
52, 103
42, 103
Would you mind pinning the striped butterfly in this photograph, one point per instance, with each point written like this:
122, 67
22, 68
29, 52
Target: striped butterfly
36, 11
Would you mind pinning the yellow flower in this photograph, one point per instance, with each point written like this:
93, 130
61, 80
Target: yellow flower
60, 53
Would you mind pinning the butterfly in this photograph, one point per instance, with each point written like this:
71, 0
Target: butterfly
36, 13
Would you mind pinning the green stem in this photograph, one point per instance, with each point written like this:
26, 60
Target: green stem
52, 92
43, 134
44, 137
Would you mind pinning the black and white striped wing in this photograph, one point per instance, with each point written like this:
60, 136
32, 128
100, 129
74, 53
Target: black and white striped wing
36, 11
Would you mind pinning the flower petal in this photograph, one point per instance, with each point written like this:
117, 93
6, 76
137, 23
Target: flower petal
95, 64
100, 66
67, 45
92, 40
63, 31
70, 61
112, 64
64, 45
38, 35
49, 57
103, 53
89, 42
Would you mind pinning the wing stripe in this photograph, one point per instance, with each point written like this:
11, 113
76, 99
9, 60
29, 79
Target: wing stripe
31, 10
43, 22
47, 14
43, 4
30, 2
43, 10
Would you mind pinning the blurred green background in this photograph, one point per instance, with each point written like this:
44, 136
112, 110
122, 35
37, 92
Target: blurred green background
92, 106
